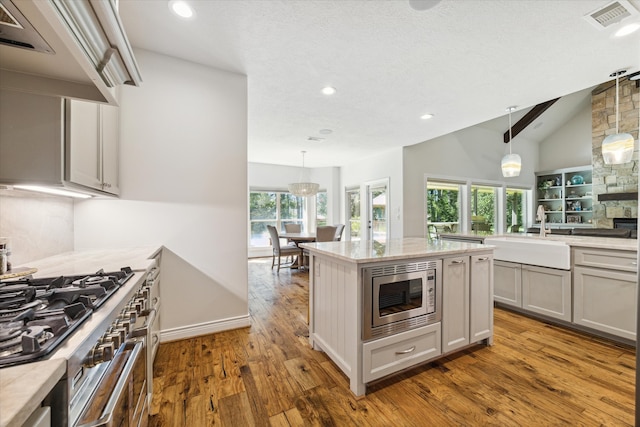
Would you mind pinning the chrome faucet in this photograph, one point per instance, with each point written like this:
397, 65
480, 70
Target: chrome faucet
540, 215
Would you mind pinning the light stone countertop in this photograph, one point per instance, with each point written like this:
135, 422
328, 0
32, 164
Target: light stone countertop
23, 387
615, 243
394, 249
90, 261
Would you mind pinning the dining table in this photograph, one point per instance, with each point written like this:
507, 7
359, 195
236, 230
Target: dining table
298, 238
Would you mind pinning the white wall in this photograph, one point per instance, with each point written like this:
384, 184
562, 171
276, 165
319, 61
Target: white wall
183, 173
570, 145
376, 167
474, 152
38, 226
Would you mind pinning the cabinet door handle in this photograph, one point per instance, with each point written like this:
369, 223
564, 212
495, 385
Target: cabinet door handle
484, 258
457, 261
634, 263
409, 350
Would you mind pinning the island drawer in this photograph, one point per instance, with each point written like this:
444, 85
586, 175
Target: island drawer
606, 258
397, 352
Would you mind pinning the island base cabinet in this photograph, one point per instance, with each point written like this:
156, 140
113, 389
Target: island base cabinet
481, 294
394, 353
507, 287
605, 301
455, 303
547, 291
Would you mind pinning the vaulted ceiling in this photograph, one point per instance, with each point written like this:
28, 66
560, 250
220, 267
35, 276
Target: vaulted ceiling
465, 61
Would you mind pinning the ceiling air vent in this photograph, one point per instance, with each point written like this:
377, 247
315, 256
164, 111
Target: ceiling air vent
610, 14
16, 31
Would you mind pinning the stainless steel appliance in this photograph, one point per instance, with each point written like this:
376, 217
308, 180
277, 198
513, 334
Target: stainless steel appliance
100, 325
399, 297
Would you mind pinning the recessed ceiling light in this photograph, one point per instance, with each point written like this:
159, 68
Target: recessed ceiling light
328, 90
325, 131
426, 116
182, 9
627, 29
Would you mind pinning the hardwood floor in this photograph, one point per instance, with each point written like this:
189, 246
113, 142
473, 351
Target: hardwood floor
535, 374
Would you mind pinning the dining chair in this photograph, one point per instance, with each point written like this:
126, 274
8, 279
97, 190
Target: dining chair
339, 230
279, 251
326, 233
292, 228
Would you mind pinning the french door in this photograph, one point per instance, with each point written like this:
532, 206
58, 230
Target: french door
377, 211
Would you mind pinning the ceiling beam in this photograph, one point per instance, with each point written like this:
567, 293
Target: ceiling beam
528, 118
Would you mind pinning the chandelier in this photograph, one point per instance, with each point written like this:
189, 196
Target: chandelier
303, 189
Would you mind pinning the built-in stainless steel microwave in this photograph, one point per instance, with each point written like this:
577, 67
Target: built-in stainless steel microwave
400, 297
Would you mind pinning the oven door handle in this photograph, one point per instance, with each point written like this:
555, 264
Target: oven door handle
120, 388
144, 330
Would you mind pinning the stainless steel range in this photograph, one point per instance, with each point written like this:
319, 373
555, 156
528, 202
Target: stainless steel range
99, 323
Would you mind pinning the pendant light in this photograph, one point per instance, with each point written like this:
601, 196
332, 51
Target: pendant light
511, 163
303, 189
617, 148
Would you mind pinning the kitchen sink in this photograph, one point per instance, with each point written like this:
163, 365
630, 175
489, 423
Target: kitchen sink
532, 251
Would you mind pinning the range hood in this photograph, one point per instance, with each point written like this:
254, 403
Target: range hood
67, 48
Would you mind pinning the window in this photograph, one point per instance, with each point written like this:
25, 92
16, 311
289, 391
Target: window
515, 216
353, 214
321, 209
483, 208
444, 207
291, 210
272, 208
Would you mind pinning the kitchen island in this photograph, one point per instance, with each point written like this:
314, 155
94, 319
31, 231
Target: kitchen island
340, 293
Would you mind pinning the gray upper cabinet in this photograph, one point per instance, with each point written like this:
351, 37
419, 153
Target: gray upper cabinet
92, 137
58, 143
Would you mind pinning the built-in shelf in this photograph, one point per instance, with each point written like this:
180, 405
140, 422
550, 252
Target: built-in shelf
565, 202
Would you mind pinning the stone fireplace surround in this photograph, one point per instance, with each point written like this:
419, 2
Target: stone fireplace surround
610, 179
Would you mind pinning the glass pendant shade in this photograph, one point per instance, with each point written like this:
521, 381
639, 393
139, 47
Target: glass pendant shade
617, 149
511, 165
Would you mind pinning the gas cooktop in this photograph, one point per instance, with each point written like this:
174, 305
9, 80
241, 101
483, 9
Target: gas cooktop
37, 315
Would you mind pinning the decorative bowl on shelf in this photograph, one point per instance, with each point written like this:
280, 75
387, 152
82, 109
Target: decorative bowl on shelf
577, 180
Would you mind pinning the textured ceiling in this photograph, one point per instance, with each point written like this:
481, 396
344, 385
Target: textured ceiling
465, 61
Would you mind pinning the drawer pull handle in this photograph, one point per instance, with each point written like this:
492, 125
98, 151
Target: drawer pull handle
409, 350
634, 263
457, 261
484, 258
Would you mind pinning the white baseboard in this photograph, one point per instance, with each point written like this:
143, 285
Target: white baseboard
191, 331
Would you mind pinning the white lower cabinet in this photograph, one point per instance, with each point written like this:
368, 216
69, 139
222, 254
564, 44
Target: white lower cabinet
481, 305
455, 303
605, 300
467, 306
507, 287
547, 291
540, 290
396, 352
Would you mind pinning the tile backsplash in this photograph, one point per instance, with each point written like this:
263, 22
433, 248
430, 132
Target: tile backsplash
38, 226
